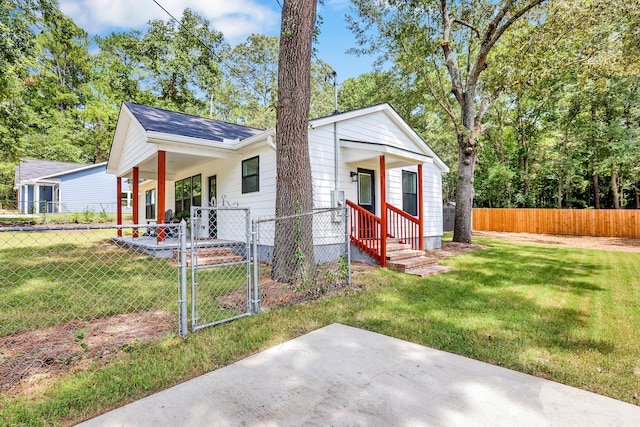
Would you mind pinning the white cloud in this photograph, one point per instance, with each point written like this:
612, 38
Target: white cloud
235, 18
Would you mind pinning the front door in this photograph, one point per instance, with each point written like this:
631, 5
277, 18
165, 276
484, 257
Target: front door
367, 201
213, 214
366, 190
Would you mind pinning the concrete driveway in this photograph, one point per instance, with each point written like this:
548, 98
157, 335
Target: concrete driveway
340, 376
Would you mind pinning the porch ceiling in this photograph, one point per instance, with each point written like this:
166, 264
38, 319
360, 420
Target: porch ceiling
176, 162
361, 152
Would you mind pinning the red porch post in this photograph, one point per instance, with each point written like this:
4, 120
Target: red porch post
136, 219
119, 204
383, 213
420, 210
162, 176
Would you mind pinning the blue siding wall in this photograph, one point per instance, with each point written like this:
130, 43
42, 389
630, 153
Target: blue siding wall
90, 189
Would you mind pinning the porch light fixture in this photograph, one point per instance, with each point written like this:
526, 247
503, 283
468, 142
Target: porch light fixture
354, 176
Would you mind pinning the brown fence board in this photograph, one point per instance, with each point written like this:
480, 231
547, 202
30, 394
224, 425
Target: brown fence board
574, 222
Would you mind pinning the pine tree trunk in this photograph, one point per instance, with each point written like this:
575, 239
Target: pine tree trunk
464, 192
615, 190
293, 252
596, 190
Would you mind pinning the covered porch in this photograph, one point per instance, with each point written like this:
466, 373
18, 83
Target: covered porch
160, 191
39, 196
171, 158
378, 214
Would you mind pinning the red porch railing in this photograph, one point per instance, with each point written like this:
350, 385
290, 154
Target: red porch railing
403, 226
366, 231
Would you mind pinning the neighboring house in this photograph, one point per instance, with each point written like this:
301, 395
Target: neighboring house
370, 158
45, 186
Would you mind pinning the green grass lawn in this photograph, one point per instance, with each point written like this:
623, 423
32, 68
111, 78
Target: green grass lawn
569, 315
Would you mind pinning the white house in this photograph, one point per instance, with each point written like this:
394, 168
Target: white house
369, 159
45, 186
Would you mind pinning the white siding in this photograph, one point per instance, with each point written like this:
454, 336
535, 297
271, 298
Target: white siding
142, 189
394, 186
136, 150
378, 128
432, 190
322, 159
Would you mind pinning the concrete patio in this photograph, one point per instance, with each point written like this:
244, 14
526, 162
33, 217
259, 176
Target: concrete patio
339, 375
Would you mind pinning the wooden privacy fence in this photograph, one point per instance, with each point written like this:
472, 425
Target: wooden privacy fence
575, 222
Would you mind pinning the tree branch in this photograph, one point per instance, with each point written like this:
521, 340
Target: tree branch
445, 107
454, 73
466, 24
495, 31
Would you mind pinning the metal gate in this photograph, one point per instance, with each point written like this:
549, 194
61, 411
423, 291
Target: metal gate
220, 262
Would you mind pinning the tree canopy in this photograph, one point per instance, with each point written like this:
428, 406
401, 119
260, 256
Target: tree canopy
555, 118
60, 91
485, 63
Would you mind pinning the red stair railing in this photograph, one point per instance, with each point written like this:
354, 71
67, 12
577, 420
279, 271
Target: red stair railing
403, 226
365, 231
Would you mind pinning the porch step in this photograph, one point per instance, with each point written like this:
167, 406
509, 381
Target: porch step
397, 246
394, 240
211, 256
395, 255
214, 252
216, 260
429, 270
409, 263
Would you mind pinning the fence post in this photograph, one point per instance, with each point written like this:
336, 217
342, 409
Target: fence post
248, 250
256, 263
347, 235
183, 279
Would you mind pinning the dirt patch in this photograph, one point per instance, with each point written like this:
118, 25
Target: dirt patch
620, 244
28, 359
273, 294
450, 249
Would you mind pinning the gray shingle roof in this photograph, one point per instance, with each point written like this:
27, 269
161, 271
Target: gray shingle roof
173, 123
32, 168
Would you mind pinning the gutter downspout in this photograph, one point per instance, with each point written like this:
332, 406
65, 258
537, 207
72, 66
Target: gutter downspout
333, 76
336, 149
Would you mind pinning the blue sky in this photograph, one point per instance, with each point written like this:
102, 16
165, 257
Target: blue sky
237, 19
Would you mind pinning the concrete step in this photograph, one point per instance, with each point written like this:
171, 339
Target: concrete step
405, 264
403, 254
428, 270
218, 259
393, 247
207, 252
215, 260
394, 240
215, 251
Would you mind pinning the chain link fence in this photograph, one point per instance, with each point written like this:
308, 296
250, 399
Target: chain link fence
24, 213
69, 294
301, 257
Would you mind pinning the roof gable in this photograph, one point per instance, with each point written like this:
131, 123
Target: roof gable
395, 118
155, 119
33, 168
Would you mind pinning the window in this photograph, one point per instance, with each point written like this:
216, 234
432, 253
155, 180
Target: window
250, 175
410, 192
126, 198
150, 204
188, 193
